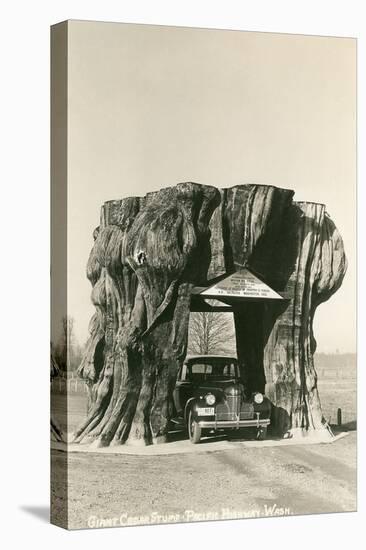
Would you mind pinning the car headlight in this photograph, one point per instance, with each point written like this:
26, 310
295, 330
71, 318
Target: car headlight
258, 398
210, 399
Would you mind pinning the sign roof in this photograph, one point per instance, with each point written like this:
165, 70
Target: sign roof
241, 284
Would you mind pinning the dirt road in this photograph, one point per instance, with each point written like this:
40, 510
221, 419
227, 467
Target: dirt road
113, 490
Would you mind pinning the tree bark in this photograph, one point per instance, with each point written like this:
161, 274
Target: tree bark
147, 256
316, 273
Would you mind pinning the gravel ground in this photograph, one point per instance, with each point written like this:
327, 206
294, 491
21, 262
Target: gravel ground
113, 490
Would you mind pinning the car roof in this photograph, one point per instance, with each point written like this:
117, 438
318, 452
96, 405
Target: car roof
191, 358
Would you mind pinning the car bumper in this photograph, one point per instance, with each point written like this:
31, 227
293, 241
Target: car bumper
214, 424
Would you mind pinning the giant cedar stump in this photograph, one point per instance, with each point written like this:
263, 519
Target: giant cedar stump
147, 256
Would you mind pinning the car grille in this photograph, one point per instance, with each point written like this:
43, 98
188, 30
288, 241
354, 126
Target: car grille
247, 411
232, 408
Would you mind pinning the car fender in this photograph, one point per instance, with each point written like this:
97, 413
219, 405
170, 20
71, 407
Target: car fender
187, 407
265, 408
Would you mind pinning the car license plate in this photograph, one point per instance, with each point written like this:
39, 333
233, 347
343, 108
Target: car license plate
206, 411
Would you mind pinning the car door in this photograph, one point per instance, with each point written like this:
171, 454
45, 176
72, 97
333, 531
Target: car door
183, 390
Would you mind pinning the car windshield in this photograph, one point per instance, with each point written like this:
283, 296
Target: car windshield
206, 369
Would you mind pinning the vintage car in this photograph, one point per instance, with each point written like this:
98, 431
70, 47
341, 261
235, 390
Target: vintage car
209, 396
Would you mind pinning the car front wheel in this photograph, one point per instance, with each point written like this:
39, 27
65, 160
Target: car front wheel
194, 430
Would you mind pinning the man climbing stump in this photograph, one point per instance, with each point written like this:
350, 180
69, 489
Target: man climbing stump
148, 255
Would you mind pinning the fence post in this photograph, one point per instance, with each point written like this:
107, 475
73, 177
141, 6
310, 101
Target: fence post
339, 417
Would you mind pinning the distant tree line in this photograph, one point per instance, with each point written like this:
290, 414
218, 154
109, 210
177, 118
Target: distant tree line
336, 360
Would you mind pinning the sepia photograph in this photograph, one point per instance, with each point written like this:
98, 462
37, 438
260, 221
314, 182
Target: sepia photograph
203, 357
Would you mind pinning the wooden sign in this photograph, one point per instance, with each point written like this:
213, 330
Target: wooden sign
242, 284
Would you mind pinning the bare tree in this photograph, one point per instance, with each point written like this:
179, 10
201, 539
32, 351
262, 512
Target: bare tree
67, 351
211, 333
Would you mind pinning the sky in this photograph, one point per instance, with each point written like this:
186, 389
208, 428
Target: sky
152, 106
